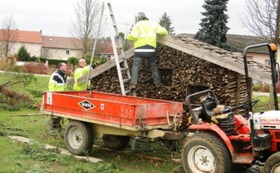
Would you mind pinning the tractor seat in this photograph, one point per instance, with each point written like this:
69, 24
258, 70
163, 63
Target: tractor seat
207, 107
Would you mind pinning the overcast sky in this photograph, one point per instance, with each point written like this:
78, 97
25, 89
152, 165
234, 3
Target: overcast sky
54, 17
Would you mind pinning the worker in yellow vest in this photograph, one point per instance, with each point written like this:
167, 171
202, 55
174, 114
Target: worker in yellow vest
57, 82
144, 34
58, 78
82, 70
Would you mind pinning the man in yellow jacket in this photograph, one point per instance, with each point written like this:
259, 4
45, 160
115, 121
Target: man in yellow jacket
57, 82
144, 34
82, 70
58, 78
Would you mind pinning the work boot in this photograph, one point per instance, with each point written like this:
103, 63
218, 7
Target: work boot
132, 86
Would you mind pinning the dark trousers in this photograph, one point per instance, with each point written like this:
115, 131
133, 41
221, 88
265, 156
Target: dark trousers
137, 62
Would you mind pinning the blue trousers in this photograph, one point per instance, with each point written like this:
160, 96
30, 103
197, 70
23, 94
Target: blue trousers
137, 62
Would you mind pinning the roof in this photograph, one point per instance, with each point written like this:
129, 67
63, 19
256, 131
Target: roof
25, 36
239, 42
60, 42
73, 43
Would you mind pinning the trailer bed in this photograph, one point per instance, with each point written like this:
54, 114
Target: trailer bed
127, 112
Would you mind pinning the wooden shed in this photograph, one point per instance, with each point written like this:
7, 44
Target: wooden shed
187, 66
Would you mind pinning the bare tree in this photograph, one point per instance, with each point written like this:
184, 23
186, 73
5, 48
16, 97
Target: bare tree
8, 35
262, 18
85, 25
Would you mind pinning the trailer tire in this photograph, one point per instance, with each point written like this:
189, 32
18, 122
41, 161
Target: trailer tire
204, 152
115, 142
272, 164
78, 137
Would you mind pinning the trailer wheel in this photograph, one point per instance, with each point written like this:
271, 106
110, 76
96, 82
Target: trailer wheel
272, 164
116, 142
78, 137
205, 152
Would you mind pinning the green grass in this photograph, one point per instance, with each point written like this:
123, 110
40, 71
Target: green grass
19, 157
265, 103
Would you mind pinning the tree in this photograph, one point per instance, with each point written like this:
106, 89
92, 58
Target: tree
23, 55
8, 35
165, 22
213, 26
73, 61
262, 18
85, 25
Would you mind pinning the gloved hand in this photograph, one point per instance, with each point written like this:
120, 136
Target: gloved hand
93, 66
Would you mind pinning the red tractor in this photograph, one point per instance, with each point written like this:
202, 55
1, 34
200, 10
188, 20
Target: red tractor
220, 139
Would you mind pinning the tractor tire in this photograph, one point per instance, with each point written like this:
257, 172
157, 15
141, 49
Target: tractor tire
78, 137
204, 152
272, 164
115, 142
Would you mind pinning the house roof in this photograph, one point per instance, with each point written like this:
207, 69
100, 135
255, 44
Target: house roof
61, 42
24, 36
239, 42
73, 43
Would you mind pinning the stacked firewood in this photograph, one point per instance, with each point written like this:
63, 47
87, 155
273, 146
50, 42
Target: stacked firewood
182, 74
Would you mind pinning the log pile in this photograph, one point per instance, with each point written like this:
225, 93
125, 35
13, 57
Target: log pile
182, 74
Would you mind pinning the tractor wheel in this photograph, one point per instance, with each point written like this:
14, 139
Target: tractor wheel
205, 152
272, 164
78, 137
115, 142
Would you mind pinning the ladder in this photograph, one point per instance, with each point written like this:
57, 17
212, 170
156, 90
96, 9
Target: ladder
117, 45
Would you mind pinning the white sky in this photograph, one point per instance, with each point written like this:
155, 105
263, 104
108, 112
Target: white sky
53, 17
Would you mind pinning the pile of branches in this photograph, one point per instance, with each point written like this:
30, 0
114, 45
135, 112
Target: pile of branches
11, 98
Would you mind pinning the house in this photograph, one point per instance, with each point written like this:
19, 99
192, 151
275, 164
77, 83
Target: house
50, 47
32, 40
239, 42
61, 48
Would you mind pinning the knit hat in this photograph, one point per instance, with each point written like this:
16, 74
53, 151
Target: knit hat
140, 16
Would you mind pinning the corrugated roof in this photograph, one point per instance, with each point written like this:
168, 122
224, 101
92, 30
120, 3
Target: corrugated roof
24, 36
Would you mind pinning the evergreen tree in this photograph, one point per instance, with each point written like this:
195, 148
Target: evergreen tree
165, 22
23, 55
213, 26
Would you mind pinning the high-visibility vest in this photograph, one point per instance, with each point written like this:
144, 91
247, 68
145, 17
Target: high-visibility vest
145, 32
57, 81
79, 72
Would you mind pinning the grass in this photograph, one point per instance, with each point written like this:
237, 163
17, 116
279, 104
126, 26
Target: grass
19, 157
265, 103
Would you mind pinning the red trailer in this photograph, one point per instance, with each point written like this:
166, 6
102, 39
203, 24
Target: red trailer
113, 117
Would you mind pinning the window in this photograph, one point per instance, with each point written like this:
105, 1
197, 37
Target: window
67, 51
267, 62
166, 76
